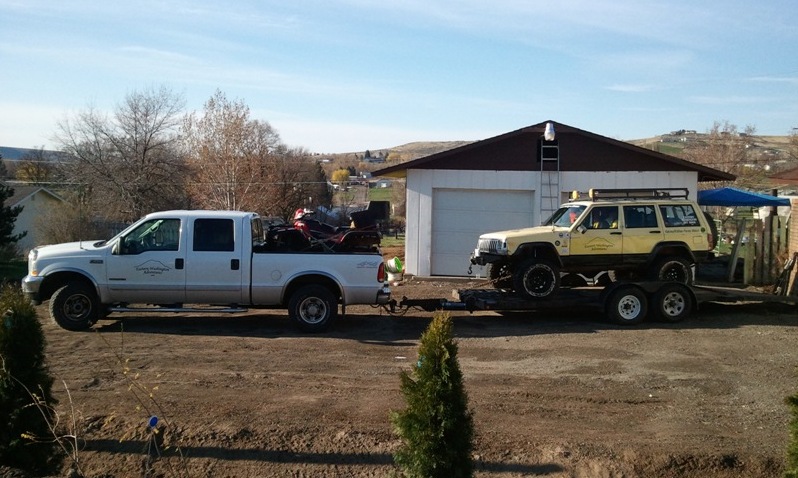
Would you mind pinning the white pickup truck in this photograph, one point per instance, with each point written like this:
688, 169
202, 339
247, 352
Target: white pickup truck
221, 261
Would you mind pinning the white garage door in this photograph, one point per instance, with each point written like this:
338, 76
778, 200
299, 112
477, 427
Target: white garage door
459, 216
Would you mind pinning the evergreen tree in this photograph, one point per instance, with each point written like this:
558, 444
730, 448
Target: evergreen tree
8, 216
791, 469
436, 428
26, 441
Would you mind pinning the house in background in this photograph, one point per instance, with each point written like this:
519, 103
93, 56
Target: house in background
36, 201
516, 180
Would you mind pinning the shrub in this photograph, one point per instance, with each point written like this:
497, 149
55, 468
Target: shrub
791, 470
436, 428
24, 382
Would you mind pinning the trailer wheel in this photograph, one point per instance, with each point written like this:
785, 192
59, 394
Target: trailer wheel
627, 305
313, 307
673, 269
535, 279
75, 306
672, 302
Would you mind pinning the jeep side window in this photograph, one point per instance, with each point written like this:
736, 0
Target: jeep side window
676, 215
639, 216
214, 235
604, 217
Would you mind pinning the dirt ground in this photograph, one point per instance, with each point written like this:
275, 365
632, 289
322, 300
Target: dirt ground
554, 395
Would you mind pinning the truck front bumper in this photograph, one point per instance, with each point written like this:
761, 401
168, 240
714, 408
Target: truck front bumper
31, 286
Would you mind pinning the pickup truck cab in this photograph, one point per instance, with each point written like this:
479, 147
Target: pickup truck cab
217, 258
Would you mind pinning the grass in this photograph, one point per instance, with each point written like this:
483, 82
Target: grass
389, 240
380, 194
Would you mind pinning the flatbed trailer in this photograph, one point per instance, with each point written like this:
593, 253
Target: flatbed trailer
625, 303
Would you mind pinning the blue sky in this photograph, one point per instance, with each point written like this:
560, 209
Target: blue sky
348, 75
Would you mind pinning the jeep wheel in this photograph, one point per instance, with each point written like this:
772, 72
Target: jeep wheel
673, 269
536, 279
500, 275
627, 305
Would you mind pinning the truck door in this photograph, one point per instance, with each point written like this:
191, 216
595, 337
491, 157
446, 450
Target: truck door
214, 263
146, 265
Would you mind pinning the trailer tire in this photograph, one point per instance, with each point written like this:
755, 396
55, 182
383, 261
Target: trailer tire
673, 269
313, 307
75, 306
672, 302
535, 279
626, 305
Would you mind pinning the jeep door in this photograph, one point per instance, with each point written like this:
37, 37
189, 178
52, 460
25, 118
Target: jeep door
597, 241
642, 232
145, 265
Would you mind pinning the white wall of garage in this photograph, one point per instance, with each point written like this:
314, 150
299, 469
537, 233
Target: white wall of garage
447, 210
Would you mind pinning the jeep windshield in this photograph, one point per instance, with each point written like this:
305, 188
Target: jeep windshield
565, 216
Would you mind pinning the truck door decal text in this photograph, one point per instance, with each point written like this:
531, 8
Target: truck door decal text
153, 268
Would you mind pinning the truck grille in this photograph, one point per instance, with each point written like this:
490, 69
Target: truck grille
494, 246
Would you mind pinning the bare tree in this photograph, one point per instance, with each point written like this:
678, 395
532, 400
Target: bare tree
37, 167
293, 180
727, 149
127, 164
226, 152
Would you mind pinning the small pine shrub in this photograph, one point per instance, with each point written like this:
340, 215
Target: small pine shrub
24, 382
436, 428
791, 469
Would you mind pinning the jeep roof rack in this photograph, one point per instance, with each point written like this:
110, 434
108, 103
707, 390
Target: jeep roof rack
596, 194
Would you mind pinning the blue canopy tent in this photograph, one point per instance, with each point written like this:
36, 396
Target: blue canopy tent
738, 197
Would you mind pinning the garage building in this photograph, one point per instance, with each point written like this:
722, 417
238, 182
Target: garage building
515, 180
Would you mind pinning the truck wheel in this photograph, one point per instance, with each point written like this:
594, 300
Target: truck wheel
673, 269
500, 275
536, 279
75, 306
313, 307
627, 305
672, 302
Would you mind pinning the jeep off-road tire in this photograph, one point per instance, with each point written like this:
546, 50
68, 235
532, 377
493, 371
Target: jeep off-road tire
75, 306
500, 275
673, 269
536, 279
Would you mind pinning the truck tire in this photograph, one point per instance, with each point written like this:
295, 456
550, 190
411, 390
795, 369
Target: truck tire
673, 269
536, 279
75, 306
672, 302
313, 307
500, 275
626, 305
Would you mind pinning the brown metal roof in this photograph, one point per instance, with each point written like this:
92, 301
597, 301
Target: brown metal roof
579, 151
789, 176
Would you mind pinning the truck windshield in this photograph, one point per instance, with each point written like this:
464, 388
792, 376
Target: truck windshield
565, 216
